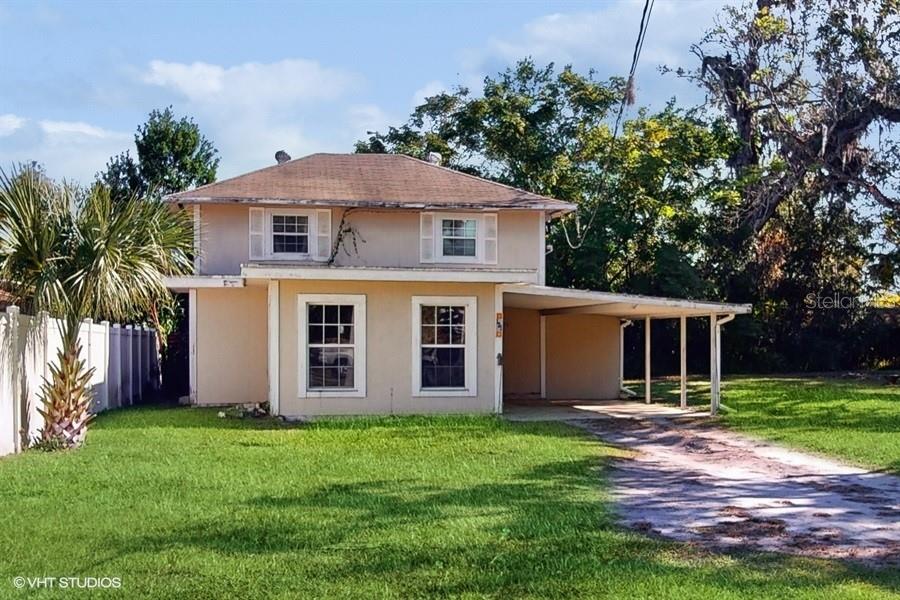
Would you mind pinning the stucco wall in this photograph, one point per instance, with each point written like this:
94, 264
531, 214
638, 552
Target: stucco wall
231, 345
521, 352
389, 349
391, 239
582, 357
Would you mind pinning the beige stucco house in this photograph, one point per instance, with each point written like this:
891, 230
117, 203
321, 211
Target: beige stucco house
375, 284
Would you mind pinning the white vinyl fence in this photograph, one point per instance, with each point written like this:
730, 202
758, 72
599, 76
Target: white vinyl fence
124, 359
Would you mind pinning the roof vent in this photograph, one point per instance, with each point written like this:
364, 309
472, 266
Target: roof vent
282, 157
433, 157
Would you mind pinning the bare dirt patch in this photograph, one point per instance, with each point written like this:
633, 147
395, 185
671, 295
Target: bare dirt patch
696, 482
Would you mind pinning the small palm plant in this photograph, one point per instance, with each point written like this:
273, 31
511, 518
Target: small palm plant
79, 254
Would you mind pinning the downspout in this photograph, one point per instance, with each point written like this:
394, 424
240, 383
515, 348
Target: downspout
623, 391
718, 391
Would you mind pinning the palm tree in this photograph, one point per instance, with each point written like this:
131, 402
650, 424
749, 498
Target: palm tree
76, 254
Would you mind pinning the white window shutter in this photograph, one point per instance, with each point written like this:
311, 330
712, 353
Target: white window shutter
257, 234
426, 237
490, 239
323, 234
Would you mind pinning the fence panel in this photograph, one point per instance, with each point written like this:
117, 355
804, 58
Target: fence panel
124, 361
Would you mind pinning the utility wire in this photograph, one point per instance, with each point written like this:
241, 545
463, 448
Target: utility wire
627, 99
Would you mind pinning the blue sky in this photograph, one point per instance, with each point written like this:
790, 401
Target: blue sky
305, 77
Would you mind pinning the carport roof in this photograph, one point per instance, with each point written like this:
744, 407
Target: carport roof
557, 301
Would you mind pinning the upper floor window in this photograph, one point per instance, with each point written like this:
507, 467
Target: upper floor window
290, 234
458, 238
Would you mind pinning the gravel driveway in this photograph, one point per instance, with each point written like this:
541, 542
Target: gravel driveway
700, 483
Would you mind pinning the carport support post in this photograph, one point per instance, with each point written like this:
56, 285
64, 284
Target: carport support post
647, 360
683, 346
713, 365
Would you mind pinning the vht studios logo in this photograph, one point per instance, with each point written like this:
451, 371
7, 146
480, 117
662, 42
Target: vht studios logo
836, 300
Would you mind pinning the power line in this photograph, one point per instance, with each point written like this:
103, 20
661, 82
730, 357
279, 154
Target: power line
627, 98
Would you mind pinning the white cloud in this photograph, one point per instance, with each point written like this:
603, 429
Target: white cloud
10, 123
78, 129
72, 150
607, 35
364, 118
251, 110
251, 84
432, 88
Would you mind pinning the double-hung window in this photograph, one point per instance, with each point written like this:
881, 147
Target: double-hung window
458, 238
332, 345
444, 346
290, 234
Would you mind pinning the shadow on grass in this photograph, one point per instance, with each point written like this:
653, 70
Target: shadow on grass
548, 531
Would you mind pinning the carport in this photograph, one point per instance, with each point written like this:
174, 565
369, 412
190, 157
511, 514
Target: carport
566, 344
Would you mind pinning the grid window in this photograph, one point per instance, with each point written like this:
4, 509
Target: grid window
459, 237
331, 344
290, 234
443, 340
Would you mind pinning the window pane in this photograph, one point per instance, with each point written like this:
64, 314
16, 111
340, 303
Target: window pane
443, 335
346, 315
458, 315
316, 312
315, 334
290, 243
469, 228
443, 367
428, 315
331, 376
459, 247
331, 314
428, 335
345, 334
443, 315
458, 335
331, 334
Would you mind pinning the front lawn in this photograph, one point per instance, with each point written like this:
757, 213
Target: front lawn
854, 420
179, 503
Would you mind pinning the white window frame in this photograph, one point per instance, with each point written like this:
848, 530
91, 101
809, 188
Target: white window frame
311, 228
471, 345
359, 345
437, 237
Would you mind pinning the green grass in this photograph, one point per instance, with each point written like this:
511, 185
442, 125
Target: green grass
179, 503
857, 421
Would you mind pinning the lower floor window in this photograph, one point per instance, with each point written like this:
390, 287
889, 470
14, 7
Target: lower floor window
332, 339
444, 330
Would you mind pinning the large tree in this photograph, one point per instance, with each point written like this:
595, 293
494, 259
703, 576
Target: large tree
81, 254
812, 90
172, 155
639, 195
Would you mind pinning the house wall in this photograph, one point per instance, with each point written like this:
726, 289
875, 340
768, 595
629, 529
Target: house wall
389, 349
231, 345
391, 239
582, 357
521, 352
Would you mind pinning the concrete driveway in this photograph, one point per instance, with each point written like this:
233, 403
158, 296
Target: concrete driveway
696, 482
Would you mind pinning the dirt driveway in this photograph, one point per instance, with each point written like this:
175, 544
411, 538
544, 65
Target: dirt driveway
700, 483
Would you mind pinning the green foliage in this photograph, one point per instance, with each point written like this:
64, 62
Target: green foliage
77, 254
172, 155
440, 507
548, 131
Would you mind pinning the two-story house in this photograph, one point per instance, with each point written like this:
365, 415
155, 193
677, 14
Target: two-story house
374, 284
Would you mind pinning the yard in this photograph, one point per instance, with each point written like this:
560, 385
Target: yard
178, 502
857, 421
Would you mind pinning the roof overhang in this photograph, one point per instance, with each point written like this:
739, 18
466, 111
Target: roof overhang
554, 209
326, 272
556, 301
193, 282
